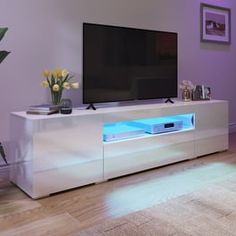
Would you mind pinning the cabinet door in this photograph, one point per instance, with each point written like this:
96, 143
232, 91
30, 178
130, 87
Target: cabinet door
57, 154
211, 133
68, 153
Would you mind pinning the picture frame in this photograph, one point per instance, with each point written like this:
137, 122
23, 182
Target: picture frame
207, 93
215, 24
201, 92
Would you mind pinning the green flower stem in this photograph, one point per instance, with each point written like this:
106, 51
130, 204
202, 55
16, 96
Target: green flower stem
56, 97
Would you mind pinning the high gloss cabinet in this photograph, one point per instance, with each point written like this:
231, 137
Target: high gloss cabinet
58, 152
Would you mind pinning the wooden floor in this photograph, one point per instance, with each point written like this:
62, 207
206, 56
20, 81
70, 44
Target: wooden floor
76, 210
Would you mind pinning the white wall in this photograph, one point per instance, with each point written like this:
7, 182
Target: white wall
48, 34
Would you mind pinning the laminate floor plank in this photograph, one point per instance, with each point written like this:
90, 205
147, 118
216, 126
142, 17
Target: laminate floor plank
58, 225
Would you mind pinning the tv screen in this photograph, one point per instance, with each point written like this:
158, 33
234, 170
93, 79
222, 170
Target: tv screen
121, 64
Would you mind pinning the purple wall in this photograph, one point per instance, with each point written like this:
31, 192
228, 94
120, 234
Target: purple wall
48, 34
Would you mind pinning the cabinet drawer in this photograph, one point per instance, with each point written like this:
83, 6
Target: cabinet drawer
124, 157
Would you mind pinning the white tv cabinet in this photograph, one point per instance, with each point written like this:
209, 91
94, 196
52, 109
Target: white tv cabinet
58, 152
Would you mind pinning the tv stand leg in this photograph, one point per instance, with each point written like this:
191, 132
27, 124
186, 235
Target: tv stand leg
169, 100
91, 106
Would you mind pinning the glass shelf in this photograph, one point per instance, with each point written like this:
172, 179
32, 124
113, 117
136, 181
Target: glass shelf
147, 127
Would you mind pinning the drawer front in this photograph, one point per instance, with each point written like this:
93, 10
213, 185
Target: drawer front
124, 157
55, 180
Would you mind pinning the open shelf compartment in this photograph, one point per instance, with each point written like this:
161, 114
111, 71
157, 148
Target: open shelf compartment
143, 127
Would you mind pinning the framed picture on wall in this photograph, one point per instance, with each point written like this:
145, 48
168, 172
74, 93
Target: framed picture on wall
215, 24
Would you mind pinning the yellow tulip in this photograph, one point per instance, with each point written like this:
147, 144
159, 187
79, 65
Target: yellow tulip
46, 73
54, 74
75, 85
54, 82
66, 85
45, 84
59, 73
64, 73
55, 87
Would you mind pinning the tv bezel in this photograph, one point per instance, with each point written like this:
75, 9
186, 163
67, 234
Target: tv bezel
168, 99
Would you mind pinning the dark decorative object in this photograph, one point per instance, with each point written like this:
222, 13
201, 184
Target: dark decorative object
197, 93
215, 24
66, 106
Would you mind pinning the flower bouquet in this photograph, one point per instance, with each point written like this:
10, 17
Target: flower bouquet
57, 80
186, 84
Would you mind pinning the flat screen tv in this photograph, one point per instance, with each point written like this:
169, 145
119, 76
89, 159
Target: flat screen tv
121, 63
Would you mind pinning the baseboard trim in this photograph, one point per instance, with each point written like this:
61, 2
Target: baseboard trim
4, 172
232, 128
